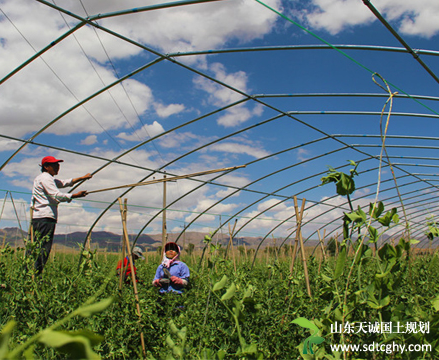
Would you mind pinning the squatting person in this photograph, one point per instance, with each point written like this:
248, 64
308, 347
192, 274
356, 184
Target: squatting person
136, 254
172, 274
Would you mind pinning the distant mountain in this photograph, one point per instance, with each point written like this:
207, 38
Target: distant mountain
112, 241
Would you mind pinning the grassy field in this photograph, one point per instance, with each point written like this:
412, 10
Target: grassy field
233, 309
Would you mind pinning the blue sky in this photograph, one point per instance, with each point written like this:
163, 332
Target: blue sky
169, 94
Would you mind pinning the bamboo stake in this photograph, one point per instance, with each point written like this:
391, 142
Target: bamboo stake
322, 242
123, 212
245, 252
322, 247
302, 248
4, 240
31, 231
1, 214
230, 239
320, 264
172, 178
298, 225
336, 245
231, 243
123, 268
276, 251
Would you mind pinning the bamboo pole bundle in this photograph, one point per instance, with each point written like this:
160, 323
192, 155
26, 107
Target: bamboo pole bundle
298, 225
123, 268
172, 178
123, 212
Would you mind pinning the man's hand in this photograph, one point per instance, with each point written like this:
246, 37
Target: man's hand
80, 194
178, 281
82, 178
156, 283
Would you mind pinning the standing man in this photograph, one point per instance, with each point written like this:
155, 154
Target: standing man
45, 199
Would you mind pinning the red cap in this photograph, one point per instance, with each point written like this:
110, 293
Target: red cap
50, 160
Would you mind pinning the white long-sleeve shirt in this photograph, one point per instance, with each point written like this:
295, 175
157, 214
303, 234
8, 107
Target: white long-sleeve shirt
46, 195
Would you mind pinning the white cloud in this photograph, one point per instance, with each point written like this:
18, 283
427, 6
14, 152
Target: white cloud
221, 96
302, 154
218, 209
409, 17
236, 148
38, 94
165, 111
237, 115
7, 145
199, 26
178, 139
144, 200
145, 132
89, 140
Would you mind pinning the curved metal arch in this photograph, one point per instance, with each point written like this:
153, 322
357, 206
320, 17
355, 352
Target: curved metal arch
289, 198
332, 207
402, 164
289, 218
405, 137
184, 155
364, 196
408, 174
345, 203
233, 193
421, 225
304, 47
237, 189
188, 68
82, 102
160, 58
314, 128
191, 122
384, 200
264, 197
159, 136
83, 21
366, 113
380, 95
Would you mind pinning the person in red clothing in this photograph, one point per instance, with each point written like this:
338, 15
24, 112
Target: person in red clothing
136, 254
